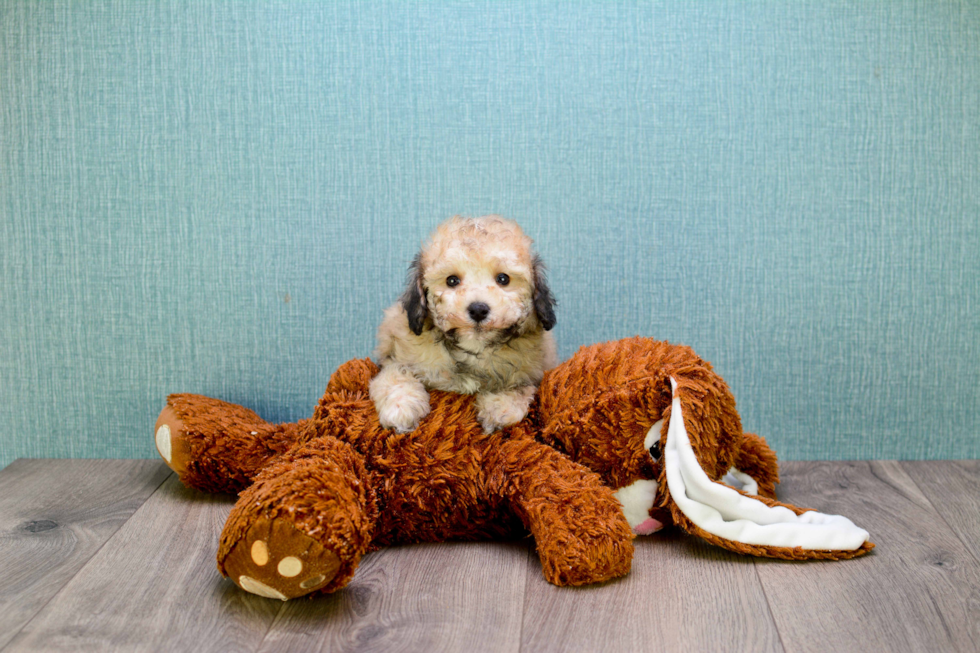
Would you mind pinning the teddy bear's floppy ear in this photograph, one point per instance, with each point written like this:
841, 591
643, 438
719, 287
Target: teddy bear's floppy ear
743, 523
413, 300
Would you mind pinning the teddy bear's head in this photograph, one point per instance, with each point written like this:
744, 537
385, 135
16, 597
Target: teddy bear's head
661, 428
608, 406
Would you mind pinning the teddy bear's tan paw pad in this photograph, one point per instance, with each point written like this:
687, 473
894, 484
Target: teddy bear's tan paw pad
171, 440
258, 588
278, 561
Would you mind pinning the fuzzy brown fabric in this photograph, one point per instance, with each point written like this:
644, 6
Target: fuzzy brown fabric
351, 486
603, 401
319, 494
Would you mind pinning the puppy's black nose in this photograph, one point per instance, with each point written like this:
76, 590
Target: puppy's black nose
478, 311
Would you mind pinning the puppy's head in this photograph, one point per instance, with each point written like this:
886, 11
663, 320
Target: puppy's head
479, 278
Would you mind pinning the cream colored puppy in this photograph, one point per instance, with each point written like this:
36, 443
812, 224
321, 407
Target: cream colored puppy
474, 320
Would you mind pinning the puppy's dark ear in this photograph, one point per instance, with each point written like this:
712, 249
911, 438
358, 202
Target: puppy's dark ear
544, 303
413, 301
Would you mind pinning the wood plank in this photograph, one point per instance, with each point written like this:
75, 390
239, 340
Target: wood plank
54, 516
682, 594
919, 590
424, 597
953, 488
155, 585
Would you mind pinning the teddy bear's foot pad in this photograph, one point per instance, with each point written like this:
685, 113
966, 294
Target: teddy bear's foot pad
278, 561
172, 443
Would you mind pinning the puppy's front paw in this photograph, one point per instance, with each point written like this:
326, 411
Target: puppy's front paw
401, 402
497, 410
403, 416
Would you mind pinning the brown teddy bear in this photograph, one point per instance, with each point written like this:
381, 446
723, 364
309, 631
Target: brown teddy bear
624, 437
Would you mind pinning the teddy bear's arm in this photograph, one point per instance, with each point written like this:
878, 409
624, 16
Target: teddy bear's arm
216, 446
758, 461
304, 523
578, 525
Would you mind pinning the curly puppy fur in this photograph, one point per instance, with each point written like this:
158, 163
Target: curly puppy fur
474, 320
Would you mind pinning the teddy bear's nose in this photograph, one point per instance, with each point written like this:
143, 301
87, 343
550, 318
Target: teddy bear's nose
478, 311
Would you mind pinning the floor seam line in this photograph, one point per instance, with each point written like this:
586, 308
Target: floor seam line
90, 558
966, 545
527, 575
772, 616
272, 625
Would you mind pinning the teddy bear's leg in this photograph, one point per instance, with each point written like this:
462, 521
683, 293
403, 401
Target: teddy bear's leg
216, 446
303, 525
756, 459
578, 525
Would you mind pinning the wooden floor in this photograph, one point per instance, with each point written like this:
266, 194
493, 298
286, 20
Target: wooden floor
117, 555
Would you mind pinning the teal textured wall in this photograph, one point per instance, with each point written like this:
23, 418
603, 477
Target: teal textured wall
221, 197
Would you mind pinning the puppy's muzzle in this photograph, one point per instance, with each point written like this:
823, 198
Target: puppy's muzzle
478, 311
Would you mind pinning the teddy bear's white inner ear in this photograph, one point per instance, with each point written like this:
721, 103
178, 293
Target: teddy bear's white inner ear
722, 511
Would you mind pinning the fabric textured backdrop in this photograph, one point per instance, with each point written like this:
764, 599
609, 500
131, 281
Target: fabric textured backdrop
221, 197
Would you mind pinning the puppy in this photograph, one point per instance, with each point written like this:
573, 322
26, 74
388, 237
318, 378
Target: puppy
474, 320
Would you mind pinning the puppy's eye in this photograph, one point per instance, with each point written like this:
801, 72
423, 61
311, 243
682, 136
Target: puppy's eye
503, 279
655, 450
452, 281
